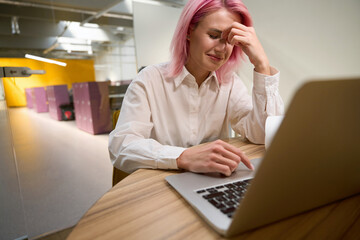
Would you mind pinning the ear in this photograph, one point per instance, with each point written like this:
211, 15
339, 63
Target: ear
189, 33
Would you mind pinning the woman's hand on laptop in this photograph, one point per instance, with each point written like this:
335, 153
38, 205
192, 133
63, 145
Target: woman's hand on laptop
217, 156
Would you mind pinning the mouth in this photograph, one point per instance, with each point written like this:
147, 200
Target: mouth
215, 58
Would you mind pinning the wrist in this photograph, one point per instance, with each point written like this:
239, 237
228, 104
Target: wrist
179, 161
263, 68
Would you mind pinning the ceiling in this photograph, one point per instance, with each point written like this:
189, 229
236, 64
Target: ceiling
65, 28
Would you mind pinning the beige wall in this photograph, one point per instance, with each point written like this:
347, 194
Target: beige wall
308, 39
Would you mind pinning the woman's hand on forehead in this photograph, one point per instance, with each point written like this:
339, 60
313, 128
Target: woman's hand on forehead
225, 34
245, 37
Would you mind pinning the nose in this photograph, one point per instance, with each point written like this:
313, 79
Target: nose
221, 45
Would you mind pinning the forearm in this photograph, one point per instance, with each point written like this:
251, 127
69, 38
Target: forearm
266, 101
129, 153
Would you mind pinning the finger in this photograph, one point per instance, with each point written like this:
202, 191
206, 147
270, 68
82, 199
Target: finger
239, 26
235, 25
232, 149
234, 31
246, 161
239, 40
225, 34
232, 164
243, 158
223, 156
220, 168
230, 155
226, 150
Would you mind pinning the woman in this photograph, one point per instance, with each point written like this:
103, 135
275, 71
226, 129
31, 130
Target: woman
169, 109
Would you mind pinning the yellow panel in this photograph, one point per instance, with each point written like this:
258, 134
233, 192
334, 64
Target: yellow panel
75, 71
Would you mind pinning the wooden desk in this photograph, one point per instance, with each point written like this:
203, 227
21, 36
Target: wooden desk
145, 206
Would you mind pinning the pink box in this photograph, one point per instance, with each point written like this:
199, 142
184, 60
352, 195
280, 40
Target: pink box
28, 95
92, 107
57, 96
39, 100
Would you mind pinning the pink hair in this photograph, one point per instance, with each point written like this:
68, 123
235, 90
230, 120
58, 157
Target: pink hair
193, 12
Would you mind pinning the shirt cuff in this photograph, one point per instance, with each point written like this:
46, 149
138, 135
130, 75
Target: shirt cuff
168, 156
263, 82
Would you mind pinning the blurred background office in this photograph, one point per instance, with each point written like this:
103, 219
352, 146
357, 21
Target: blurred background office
53, 171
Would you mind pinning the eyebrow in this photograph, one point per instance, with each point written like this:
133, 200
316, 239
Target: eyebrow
215, 30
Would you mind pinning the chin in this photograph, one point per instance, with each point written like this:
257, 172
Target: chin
214, 67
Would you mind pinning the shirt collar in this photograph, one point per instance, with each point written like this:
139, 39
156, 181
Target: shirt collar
185, 74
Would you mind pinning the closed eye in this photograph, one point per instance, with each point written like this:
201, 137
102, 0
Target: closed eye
214, 36
214, 33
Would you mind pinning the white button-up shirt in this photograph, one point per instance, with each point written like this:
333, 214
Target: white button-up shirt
161, 116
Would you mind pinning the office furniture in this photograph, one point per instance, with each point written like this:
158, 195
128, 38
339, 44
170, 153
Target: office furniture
116, 93
57, 95
92, 109
144, 206
118, 175
39, 100
28, 95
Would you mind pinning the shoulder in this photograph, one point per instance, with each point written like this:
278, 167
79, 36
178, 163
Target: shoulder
153, 73
236, 80
231, 78
234, 84
150, 76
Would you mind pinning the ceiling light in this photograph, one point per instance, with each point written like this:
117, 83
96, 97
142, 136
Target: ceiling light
91, 25
161, 3
67, 40
15, 25
45, 60
75, 48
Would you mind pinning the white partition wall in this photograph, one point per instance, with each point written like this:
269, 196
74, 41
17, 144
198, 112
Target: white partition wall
154, 26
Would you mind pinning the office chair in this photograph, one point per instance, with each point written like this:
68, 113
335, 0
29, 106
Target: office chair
118, 175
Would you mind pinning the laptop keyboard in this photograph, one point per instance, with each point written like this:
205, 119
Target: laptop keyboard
226, 197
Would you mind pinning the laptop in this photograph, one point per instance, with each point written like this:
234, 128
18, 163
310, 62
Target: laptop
313, 160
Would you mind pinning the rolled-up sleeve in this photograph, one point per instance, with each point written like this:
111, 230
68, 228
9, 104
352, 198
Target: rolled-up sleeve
248, 114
